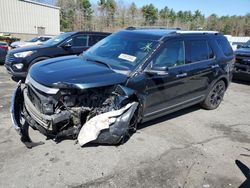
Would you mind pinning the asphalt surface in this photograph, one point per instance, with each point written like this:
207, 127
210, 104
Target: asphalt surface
191, 148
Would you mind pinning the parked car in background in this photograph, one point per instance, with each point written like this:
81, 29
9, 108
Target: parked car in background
242, 62
35, 41
18, 61
3, 51
134, 75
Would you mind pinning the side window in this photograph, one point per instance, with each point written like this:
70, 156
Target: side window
200, 50
94, 39
79, 40
42, 39
171, 55
46, 38
225, 46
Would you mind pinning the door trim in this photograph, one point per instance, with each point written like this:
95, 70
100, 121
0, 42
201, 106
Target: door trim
175, 105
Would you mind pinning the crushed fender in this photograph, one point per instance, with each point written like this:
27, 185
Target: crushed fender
97, 115
118, 119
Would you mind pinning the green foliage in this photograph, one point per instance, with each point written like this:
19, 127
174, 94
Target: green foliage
85, 7
111, 15
74, 13
150, 14
133, 10
108, 8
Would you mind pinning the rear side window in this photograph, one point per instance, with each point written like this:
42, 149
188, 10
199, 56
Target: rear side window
94, 39
225, 46
200, 50
80, 40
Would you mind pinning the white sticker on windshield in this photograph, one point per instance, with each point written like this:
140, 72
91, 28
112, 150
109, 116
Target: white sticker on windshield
127, 57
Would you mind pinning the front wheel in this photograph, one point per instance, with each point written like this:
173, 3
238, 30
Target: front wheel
215, 96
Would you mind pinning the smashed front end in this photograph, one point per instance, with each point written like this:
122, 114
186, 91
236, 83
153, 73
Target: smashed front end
104, 115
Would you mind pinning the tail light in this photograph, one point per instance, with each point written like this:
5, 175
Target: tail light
4, 48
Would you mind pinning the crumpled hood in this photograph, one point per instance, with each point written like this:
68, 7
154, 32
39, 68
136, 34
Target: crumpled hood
73, 71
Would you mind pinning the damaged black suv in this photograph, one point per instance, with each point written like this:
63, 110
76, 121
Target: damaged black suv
132, 76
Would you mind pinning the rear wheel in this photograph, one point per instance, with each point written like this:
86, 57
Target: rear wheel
215, 96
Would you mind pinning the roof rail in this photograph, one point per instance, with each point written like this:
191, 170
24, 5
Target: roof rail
152, 27
198, 32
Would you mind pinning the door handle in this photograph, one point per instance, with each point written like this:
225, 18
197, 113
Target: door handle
214, 66
181, 75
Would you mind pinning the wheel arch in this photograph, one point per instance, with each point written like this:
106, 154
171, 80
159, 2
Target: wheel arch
37, 59
223, 78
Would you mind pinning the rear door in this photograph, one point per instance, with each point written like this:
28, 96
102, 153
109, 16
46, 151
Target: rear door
202, 61
93, 39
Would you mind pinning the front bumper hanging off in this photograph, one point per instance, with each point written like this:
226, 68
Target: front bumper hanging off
18, 122
106, 128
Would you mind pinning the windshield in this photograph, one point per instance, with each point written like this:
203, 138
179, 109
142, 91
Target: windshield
121, 51
246, 45
33, 40
57, 39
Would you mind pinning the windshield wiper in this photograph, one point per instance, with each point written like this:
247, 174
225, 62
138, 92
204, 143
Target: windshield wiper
100, 62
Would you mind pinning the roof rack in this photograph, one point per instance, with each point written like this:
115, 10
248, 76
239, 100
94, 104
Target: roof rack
198, 32
153, 27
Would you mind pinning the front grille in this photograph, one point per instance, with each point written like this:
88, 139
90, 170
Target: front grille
34, 98
243, 59
243, 56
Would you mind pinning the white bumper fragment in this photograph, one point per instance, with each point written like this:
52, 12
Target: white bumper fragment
92, 128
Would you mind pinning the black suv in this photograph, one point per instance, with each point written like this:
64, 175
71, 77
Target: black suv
18, 61
242, 62
132, 76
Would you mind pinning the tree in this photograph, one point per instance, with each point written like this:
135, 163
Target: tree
164, 15
212, 22
150, 14
66, 14
86, 13
172, 16
85, 7
133, 10
108, 15
108, 8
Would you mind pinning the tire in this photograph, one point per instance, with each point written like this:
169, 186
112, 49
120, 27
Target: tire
215, 96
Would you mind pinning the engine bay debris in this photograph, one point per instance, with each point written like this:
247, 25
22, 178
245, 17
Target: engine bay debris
105, 115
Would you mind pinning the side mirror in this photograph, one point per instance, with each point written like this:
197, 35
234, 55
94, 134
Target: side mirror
157, 70
67, 45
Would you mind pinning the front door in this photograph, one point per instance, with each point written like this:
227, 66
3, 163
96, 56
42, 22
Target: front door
164, 93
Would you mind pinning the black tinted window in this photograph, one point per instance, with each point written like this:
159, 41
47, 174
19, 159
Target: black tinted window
80, 40
94, 39
225, 46
199, 50
210, 52
173, 54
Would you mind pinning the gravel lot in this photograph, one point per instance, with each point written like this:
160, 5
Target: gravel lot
191, 148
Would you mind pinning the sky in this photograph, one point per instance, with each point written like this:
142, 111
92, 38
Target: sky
207, 7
